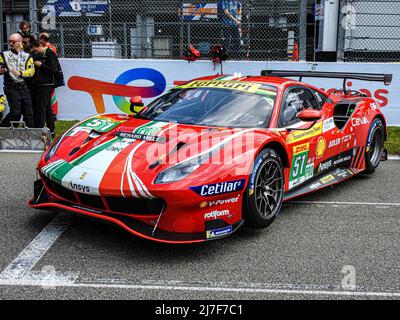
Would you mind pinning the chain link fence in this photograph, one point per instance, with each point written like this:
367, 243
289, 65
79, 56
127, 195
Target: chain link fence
269, 30
370, 31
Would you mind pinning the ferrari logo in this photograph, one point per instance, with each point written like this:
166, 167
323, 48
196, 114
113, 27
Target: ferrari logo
83, 176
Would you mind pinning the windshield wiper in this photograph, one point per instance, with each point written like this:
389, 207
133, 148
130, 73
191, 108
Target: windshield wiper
139, 116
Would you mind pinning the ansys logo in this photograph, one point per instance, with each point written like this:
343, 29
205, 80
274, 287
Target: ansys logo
120, 88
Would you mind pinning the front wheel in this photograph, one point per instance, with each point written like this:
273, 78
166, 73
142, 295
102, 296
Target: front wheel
375, 146
264, 194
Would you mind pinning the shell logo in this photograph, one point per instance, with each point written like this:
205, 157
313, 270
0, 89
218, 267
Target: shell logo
203, 204
321, 147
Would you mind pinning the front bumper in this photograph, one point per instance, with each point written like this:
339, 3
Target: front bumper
141, 225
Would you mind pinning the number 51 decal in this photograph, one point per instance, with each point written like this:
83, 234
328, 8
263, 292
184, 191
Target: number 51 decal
300, 171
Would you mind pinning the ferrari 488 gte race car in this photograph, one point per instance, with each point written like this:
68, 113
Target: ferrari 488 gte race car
212, 154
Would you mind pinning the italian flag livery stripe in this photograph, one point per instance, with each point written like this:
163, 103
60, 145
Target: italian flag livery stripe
153, 128
86, 173
130, 183
57, 171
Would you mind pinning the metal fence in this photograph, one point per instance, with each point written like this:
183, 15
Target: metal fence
370, 31
164, 29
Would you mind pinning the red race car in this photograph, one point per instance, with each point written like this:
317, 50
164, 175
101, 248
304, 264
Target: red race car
212, 154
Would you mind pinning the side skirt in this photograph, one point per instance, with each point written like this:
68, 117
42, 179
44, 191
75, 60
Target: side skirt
326, 179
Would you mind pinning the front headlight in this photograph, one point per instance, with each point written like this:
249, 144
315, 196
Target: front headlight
176, 173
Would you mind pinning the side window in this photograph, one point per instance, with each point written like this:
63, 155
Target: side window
297, 99
321, 99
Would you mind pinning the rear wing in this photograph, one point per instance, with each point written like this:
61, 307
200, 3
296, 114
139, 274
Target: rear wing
385, 78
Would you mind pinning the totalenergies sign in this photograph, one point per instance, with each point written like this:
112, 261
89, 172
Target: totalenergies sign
120, 88
106, 85
381, 95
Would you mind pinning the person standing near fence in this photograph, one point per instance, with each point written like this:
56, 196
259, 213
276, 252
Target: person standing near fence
25, 30
45, 83
230, 12
17, 66
44, 38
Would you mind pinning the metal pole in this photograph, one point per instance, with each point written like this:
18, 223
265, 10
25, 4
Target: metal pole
125, 42
1, 26
62, 40
83, 36
303, 31
341, 34
33, 16
315, 30
110, 22
182, 30
189, 36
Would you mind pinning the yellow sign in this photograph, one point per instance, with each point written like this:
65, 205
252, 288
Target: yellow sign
304, 134
3, 102
232, 85
321, 147
301, 148
327, 179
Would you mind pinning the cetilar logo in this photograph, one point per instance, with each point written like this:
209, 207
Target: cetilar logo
120, 88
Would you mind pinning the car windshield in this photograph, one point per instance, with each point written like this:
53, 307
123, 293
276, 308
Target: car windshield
215, 107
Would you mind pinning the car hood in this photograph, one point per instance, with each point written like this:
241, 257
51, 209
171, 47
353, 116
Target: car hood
131, 155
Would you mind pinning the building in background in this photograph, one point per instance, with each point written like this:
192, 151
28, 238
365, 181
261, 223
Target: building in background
11, 14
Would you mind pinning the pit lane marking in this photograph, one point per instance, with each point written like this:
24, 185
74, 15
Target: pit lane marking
197, 287
31, 255
334, 203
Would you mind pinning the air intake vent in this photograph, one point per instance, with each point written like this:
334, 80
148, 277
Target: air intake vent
342, 113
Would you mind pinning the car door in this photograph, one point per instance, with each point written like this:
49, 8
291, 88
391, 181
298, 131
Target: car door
306, 143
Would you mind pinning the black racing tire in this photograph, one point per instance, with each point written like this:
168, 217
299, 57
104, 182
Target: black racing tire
264, 194
375, 146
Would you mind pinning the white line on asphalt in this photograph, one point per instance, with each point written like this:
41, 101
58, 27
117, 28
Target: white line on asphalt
22, 151
189, 287
375, 204
28, 258
394, 158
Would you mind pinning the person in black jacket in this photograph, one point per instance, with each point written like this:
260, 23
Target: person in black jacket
44, 83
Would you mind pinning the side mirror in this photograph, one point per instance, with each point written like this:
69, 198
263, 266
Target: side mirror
137, 104
308, 115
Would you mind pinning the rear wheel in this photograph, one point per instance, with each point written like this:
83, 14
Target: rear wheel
375, 146
264, 194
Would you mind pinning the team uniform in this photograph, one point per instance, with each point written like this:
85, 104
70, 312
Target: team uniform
54, 101
43, 87
15, 87
3, 102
